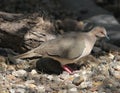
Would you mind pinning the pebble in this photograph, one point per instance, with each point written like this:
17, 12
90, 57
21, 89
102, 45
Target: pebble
116, 74
33, 72
111, 56
12, 90
99, 78
48, 89
19, 86
2, 59
32, 86
115, 69
70, 85
64, 75
30, 81
116, 66
56, 79
84, 80
73, 90
78, 80
11, 77
20, 90
55, 86
19, 73
63, 91
41, 89
86, 84
10, 68
50, 77
3, 65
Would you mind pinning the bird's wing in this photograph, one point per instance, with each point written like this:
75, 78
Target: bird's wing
69, 48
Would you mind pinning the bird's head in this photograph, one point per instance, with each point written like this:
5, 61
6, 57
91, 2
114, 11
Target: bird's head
99, 32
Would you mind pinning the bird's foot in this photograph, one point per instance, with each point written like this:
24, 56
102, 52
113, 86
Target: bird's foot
68, 69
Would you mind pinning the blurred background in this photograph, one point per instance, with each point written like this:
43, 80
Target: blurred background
28, 23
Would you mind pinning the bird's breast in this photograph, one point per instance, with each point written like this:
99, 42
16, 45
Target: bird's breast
87, 49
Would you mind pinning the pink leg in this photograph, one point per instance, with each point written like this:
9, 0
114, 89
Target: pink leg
67, 68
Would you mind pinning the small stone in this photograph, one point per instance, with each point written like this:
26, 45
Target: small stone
116, 66
12, 90
19, 73
63, 91
10, 68
111, 56
41, 89
116, 74
33, 72
2, 59
78, 80
64, 75
29, 82
20, 90
11, 77
3, 66
50, 77
99, 78
48, 89
97, 83
31, 86
73, 90
76, 73
115, 69
56, 79
54, 86
86, 84
70, 85
93, 89
21, 85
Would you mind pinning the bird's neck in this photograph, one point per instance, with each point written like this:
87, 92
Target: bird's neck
92, 37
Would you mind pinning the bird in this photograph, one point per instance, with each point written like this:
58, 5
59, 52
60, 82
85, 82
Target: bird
67, 48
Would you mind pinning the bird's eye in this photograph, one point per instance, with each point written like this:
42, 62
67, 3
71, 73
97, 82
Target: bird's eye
102, 32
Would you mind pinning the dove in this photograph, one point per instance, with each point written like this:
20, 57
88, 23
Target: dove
67, 48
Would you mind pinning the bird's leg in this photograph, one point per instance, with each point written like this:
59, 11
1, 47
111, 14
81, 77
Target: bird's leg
68, 69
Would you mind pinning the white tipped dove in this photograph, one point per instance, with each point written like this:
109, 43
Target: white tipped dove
68, 48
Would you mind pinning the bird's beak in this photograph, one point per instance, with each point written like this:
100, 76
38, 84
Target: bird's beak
107, 37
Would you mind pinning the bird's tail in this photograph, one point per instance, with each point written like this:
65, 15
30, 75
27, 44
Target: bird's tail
28, 54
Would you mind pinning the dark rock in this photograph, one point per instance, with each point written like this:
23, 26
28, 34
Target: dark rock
49, 65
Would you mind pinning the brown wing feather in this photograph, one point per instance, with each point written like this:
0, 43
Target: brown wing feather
64, 47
